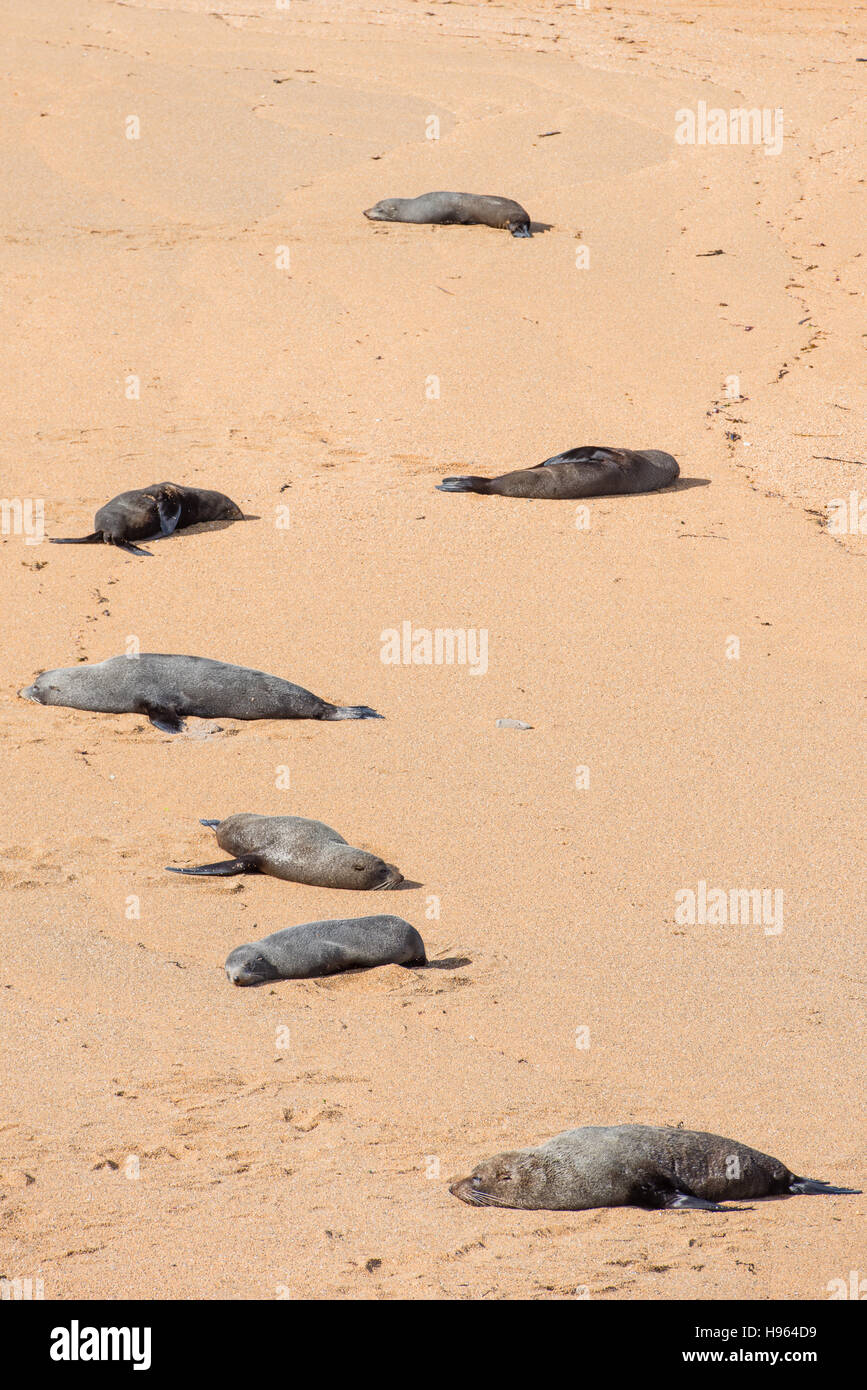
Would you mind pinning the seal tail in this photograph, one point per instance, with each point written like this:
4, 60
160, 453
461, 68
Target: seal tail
225, 869
351, 712
815, 1187
468, 484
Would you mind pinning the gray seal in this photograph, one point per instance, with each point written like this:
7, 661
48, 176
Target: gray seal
463, 208
169, 688
148, 512
326, 948
290, 847
589, 471
631, 1166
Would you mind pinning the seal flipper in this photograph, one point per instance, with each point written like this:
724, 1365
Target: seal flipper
132, 549
350, 712
169, 514
657, 1195
678, 1201
815, 1187
468, 484
167, 720
78, 540
212, 823
521, 230
224, 869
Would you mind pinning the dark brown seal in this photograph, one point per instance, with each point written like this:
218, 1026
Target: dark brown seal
169, 688
589, 471
462, 208
148, 512
326, 948
631, 1166
290, 847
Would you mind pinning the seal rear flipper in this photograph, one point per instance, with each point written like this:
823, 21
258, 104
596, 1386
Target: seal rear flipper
468, 484
521, 230
224, 869
166, 720
351, 712
211, 823
815, 1187
77, 540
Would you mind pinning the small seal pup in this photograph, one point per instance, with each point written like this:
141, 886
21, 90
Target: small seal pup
148, 512
464, 208
589, 471
631, 1166
326, 948
290, 847
169, 688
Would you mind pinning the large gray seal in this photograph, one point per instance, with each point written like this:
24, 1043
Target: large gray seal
290, 847
589, 471
169, 688
631, 1166
463, 208
148, 512
326, 948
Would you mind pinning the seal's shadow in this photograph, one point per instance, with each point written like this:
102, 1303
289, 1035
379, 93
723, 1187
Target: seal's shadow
447, 963
407, 883
541, 227
683, 484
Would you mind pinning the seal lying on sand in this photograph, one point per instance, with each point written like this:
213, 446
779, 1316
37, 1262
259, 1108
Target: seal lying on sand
148, 512
589, 471
290, 847
169, 688
325, 948
463, 208
631, 1166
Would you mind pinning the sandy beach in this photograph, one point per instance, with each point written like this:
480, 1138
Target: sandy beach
191, 292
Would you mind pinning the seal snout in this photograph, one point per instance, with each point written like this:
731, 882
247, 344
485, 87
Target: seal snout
464, 1190
391, 877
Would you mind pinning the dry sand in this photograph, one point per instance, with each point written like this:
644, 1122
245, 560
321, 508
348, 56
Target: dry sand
310, 1169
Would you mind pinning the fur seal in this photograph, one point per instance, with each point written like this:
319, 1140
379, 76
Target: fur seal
631, 1166
325, 948
290, 847
464, 208
588, 471
169, 688
148, 512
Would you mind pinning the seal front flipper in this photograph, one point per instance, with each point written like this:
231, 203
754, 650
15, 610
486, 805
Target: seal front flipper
678, 1201
169, 514
658, 1196
224, 869
167, 720
132, 549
